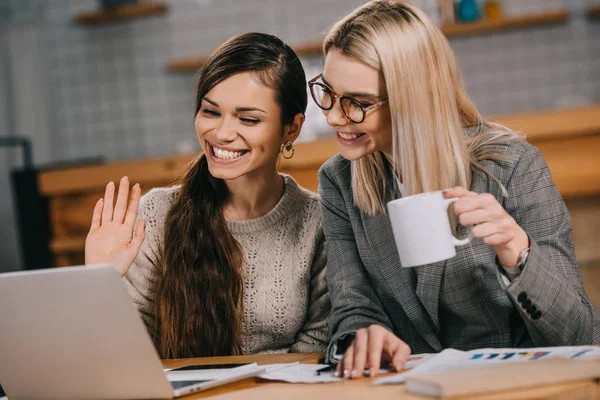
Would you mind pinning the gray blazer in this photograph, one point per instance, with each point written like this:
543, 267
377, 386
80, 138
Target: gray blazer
461, 303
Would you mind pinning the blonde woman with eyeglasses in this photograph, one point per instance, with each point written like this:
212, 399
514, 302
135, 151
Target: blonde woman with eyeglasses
392, 90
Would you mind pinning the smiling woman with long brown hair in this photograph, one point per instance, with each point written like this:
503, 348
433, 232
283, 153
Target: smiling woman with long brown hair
232, 260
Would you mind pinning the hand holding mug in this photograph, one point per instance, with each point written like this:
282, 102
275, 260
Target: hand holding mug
112, 239
490, 222
422, 229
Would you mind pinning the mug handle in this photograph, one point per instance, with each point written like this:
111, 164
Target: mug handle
455, 241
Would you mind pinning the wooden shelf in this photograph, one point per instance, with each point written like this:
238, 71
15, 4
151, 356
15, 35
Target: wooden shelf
68, 244
593, 11
193, 64
121, 13
486, 26
565, 123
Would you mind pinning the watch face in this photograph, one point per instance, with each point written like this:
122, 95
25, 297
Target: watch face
524, 257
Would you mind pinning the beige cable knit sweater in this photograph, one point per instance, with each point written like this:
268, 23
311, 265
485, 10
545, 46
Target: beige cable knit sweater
286, 302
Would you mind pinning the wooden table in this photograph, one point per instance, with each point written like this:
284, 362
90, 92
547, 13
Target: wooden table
352, 389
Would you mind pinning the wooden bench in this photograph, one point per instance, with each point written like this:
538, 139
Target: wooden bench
568, 139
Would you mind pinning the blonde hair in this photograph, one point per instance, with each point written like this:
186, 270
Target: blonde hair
428, 103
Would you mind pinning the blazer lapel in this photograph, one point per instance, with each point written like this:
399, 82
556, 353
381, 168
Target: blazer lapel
401, 280
428, 289
430, 282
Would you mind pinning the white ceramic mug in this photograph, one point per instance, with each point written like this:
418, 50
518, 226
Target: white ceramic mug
422, 229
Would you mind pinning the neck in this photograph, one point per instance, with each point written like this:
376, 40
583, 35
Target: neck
253, 196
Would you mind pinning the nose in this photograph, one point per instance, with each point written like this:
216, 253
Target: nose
225, 130
335, 116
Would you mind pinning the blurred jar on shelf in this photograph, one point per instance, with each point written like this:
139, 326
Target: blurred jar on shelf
447, 12
468, 11
492, 10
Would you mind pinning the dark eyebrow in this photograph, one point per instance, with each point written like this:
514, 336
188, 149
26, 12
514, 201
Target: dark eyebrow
353, 94
237, 109
210, 101
244, 109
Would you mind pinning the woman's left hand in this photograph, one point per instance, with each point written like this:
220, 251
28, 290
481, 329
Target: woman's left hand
491, 223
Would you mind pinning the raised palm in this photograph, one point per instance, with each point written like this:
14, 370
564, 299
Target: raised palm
112, 238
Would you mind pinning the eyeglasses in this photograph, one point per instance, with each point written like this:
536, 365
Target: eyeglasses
352, 109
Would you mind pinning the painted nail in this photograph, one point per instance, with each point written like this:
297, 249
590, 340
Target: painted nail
354, 373
136, 185
346, 373
124, 178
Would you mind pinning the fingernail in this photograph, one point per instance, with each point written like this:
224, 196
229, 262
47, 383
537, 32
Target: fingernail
354, 373
346, 373
337, 373
136, 185
110, 183
124, 178
101, 200
399, 367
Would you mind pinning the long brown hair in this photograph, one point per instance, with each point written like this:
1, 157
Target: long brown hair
199, 295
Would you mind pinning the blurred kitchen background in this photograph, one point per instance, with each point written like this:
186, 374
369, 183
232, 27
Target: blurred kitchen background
97, 88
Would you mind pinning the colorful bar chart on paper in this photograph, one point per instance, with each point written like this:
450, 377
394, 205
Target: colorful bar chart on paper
524, 355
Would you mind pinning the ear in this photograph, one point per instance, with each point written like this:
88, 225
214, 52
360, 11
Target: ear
292, 130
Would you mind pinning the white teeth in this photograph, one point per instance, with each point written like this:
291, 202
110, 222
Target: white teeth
349, 136
226, 154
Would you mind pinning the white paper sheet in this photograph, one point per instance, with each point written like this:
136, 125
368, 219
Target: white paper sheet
456, 359
208, 374
299, 373
307, 373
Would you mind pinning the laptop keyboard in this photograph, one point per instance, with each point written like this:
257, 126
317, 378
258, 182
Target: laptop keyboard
183, 384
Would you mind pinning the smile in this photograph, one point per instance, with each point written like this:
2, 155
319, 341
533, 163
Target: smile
350, 136
226, 155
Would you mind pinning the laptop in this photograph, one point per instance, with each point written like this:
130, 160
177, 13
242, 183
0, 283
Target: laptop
74, 333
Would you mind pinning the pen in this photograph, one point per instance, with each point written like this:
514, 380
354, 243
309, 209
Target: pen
325, 369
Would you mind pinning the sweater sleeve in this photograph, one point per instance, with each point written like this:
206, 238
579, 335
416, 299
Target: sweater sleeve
314, 334
142, 274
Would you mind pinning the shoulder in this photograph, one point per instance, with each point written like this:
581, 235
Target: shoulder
156, 204
336, 166
335, 173
515, 157
513, 152
304, 199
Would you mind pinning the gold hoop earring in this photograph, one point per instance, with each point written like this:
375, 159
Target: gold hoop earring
288, 150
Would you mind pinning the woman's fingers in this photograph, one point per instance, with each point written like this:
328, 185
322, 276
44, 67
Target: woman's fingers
474, 217
376, 338
347, 362
134, 203
109, 195
457, 191
121, 205
97, 215
400, 352
486, 229
361, 341
138, 237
